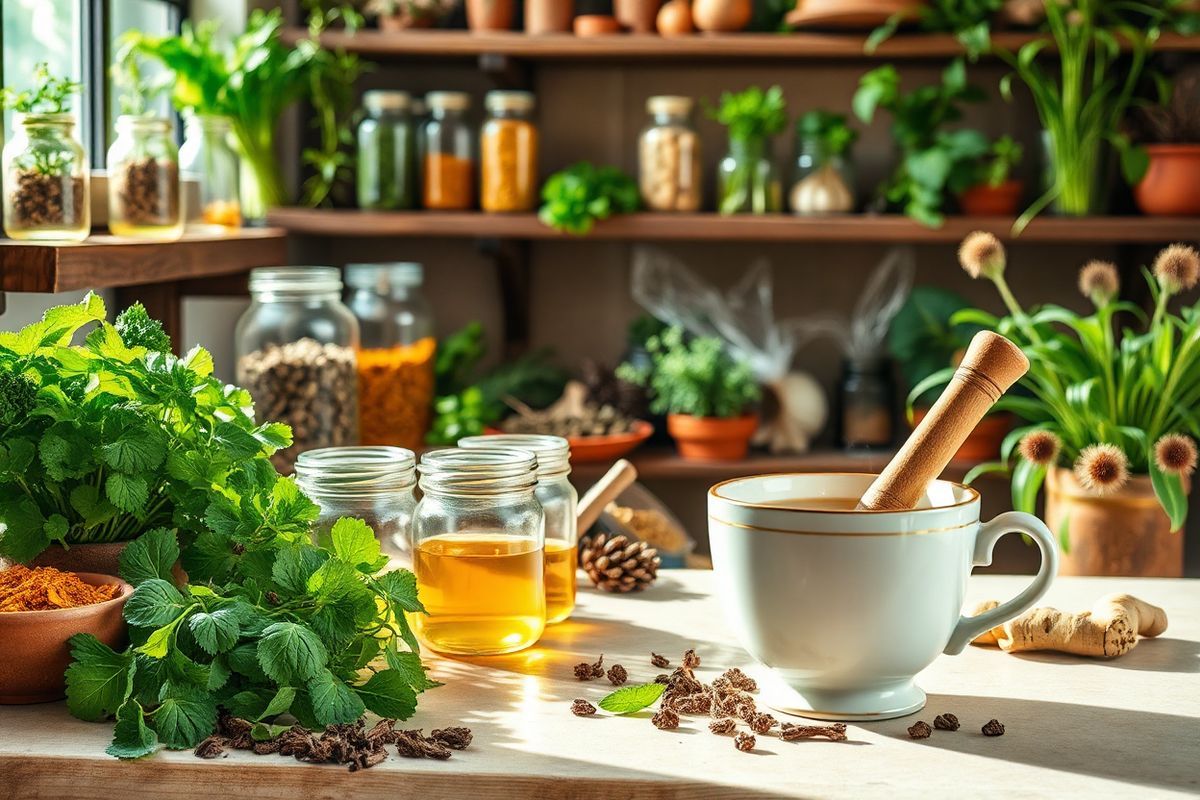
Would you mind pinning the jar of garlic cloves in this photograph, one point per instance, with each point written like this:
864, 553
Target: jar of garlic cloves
669, 162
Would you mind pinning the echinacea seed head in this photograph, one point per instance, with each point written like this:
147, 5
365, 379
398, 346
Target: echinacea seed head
1040, 447
982, 255
1102, 468
1099, 282
1177, 268
1175, 454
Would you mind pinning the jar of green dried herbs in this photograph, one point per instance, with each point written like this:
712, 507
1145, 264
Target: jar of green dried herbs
387, 152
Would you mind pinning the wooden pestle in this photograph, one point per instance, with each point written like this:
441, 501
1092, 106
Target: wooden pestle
604, 491
991, 365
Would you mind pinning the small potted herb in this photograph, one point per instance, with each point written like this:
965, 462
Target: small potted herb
45, 168
706, 394
575, 198
934, 164
747, 178
1172, 136
996, 193
824, 180
399, 15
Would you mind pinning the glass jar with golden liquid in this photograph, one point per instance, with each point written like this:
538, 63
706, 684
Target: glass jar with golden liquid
559, 503
478, 536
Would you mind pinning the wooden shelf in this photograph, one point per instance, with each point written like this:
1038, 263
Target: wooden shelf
887, 228
641, 47
103, 262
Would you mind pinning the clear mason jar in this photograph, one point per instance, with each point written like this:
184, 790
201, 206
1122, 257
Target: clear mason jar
396, 353
45, 180
295, 348
374, 484
508, 153
747, 178
448, 162
669, 160
143, 180
559, 504
208, 162
478, 537
822, 182
387, 152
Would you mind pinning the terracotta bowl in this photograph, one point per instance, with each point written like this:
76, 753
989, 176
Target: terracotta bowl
34, 652
591, 449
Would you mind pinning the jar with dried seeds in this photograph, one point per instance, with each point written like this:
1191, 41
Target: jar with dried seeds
669, 156
295, 349
143, 179
396, 352
207, 160
508, 152
447, 154
45, 179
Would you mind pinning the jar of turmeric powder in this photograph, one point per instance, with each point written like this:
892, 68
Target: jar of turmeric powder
395, 356
508, 150
448, 164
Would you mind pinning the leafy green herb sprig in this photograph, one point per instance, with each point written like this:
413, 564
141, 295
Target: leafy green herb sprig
753, 113
697, 377
1002, 157
828, 129
573, 199
49, 95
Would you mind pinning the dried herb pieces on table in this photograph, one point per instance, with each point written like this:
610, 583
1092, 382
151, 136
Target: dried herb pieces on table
617, 675
919, 730
835, 732
582, 708
993, 727
946, 722
745, 742
662, 662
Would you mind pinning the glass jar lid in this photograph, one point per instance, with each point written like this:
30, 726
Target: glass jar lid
382, 278
508, 100
295, 280
64, 119
382, 101
553, 453
356, 471
673, 105
448, 101
142, 123
478, 472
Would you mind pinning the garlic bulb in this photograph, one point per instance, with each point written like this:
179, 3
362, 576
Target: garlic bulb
822, 192
801, 414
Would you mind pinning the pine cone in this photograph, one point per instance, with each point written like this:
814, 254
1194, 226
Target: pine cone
617, 565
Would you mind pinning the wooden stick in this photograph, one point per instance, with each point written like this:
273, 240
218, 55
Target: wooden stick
991, 365
604, 491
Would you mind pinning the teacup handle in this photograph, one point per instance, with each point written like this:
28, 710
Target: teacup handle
969, 628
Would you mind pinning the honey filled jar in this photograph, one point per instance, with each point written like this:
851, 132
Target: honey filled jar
559, 501
478, 536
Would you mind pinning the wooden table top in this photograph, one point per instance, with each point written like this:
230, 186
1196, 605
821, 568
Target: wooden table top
1075, 727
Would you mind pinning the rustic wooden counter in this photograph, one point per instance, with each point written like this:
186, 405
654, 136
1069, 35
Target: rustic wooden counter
1125, 728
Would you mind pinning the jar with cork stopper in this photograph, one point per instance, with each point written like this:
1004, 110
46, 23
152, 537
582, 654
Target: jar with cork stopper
669, 156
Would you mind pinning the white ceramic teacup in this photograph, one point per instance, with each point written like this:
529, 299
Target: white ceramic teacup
844, 607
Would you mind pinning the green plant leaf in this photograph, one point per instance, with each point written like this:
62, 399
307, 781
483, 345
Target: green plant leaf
127, 492
216, 631
409, 667
400, 587
333, 702
151, 555
131, 736
354, 542
290, 653
24, 533
280, 703
99, 679
1169, 491
185, 720
154, 603
629, 699
389, 695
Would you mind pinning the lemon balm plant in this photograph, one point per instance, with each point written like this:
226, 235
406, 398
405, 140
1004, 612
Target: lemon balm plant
1108, 409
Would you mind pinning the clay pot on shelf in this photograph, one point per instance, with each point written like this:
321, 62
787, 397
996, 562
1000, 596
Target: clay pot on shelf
588, 25
992, 201
1169, 187
1123, 533
636, 16
675, 19
548, 16
851, 14
712, 438
983, 443
403, 22
490, 15
721, 16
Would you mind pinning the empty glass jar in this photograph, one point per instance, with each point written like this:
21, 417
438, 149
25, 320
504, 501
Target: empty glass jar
669, 156
210, 171
45, 180
295, 355
374, 484
559, 504
448, 168
387, 152
143, 179
478, 536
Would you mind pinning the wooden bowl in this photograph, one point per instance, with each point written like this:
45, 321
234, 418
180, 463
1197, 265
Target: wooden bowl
34, 652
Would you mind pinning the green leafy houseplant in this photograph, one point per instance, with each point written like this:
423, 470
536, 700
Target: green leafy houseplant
996, 166
573, 199
969, 20
1103, 401
748, 183
934, 163
924, 339
117, 438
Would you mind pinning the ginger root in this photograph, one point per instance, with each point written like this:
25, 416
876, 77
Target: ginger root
1110, 629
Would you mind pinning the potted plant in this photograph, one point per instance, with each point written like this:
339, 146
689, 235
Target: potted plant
747, 178
1169, 187
996, 193
824, 179
1110, 425
705, 393
490, 15
925, 340
399, 15
933, 164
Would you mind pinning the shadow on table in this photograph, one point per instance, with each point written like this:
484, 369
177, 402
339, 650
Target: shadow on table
1142, 748
1162, 654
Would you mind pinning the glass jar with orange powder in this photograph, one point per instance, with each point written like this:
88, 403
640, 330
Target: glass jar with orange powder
395, 358
447, 160
508, 151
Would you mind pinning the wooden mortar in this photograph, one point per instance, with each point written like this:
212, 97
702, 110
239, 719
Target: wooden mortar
991, 365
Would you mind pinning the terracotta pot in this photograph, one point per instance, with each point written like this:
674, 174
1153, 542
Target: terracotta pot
637, 16
712, 438
983, 443
490, 15
101, 557
596, 25
404, 21
548, 16
1170, 185
1125, 533
36, 654
992, 201
721, 16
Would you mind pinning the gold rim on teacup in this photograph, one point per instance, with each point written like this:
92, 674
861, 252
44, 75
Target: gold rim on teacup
972, 495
